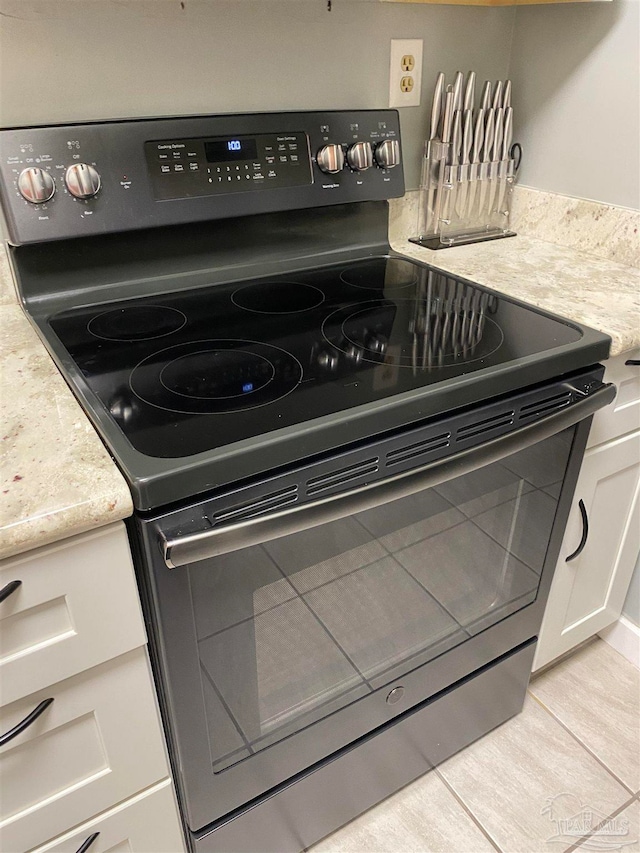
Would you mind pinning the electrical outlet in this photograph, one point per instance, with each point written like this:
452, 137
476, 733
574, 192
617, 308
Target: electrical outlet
405, 73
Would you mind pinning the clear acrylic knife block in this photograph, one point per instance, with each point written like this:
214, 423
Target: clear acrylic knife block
464, 203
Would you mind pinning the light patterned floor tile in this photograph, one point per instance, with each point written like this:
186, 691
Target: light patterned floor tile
596, 695
515, 779
621, 832
424, 817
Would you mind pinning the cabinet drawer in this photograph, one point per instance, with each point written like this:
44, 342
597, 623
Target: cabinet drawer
98, 743
148, 823
623, 415
76, 607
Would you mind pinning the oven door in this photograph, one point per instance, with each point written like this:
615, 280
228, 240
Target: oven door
284, 638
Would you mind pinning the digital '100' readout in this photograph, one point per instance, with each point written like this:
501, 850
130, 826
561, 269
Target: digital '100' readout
224, 150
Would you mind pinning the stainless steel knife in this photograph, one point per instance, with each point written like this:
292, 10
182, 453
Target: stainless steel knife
467, 142
454, 160
458, 83
497, 95
447, 119
506, 97
476, 151
485, 98
436, 108
504, 158
496, 153
470, 92
489, 135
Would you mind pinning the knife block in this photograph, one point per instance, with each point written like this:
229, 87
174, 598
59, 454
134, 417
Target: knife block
464, 203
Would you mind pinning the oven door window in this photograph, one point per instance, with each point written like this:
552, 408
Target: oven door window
295, 629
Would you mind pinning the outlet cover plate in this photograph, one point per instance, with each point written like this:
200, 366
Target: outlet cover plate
401, 48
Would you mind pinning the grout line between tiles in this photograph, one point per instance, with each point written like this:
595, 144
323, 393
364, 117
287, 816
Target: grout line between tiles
582, 743
602, 823
467, 810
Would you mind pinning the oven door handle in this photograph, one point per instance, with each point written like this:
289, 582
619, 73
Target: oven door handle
223, 540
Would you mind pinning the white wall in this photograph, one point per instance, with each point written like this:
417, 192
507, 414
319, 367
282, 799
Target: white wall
68, 60
576, 82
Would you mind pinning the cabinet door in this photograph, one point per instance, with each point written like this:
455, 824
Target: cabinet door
623, 415
148, 823
587, 593
77, 606
98, 743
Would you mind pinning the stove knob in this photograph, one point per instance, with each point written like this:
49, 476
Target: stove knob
330, 159
36, 185
82, 180
388, 154
360, 156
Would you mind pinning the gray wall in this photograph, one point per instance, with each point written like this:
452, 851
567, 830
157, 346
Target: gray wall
66, 60
576, 87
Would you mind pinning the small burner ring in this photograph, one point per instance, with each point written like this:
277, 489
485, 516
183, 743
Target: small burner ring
277, 297
137, 323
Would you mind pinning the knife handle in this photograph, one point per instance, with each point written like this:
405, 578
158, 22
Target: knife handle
467, 136
489, 133
485, 99
470, 91
457, 90
436, 108
508, 132
506, 97
498, 134
478, 137
497, 95
448, 116
457, 138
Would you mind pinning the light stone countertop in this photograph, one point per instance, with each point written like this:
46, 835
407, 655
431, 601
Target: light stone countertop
59, 480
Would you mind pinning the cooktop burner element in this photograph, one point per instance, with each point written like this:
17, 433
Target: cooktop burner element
278, 297
309, 346
215, 377
395, 275
137, 323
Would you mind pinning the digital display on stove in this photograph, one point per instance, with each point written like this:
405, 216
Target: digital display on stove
188, 168
228, 150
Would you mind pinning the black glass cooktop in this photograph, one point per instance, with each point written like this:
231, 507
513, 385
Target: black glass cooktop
201, 369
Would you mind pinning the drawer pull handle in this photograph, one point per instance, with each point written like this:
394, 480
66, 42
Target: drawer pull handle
24, 724
86, 844
632, 362
9, 589
585, 532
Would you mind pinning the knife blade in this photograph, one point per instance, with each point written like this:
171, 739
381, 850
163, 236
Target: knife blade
485, 98
497, 95
506, 97
436, 107
470, 92
467, 142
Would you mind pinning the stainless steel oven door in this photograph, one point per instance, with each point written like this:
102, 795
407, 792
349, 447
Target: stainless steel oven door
284, 638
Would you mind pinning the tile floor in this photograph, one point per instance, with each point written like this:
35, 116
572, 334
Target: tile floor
570, 760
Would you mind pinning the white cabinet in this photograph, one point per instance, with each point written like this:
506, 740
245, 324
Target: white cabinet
72, 632
587, 593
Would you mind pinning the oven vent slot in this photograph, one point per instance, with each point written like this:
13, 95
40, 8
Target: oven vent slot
342, 476
267, 503
486, 425
546, 405
410, 451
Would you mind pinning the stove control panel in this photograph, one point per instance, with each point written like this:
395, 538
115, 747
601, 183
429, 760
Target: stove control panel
88, 179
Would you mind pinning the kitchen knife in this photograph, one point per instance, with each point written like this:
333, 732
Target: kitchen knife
467, 143
478, 139
489, 136
504, 157
470, 92
506, 97
436, 108
485, 99
447, 119
457, 91
497, 95
454, 159
496, 153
